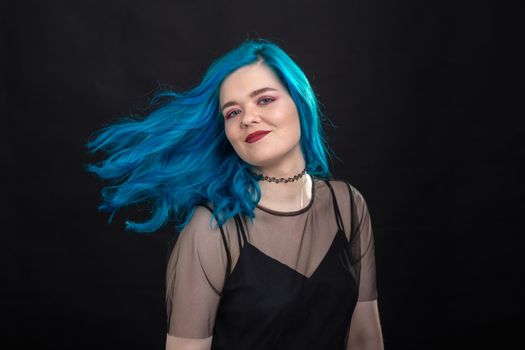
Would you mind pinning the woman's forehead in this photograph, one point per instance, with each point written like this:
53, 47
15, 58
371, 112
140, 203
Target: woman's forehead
247, 79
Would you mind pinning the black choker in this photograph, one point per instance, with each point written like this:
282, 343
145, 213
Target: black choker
282, 179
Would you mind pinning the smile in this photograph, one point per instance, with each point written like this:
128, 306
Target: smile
256, 136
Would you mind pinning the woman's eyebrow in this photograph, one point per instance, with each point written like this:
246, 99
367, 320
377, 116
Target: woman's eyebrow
252, 94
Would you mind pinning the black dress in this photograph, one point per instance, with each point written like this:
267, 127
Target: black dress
289, 280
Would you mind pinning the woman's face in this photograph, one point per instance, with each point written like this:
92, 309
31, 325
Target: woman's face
252, 99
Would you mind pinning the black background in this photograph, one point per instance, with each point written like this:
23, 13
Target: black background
427, 100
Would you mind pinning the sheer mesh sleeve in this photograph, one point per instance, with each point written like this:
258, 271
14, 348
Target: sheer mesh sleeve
195, 278
362, 246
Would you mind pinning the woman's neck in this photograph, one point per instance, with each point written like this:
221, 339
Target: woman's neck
290, 196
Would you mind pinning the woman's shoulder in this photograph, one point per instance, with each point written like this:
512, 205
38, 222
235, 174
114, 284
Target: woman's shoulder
338, 185
345, 190
202, 224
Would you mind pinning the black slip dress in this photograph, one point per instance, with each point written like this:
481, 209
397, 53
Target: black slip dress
268, 305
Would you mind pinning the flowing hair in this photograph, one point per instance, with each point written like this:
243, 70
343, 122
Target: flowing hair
178, 156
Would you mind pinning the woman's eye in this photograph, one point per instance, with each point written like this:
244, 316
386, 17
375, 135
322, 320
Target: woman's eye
266, 100
231, 114
262, 101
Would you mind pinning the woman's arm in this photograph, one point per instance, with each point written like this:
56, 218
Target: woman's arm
194, 279
365, 329
176, 343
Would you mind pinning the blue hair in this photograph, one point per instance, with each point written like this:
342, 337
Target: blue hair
178, 156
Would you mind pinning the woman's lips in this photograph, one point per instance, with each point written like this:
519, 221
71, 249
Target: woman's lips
256, 136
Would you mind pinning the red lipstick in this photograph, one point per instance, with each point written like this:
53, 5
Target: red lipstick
257, 135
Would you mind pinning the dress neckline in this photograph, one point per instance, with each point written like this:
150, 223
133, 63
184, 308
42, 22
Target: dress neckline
295, 212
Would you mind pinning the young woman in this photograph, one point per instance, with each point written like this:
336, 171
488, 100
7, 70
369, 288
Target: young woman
272, 253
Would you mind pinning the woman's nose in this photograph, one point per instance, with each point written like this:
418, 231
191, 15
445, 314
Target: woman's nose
250, 115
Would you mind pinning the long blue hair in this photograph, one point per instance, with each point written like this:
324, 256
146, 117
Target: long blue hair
178, 156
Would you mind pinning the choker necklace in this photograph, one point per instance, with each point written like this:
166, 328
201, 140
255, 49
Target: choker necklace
282, 179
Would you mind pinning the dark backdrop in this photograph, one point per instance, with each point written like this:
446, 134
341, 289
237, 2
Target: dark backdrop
427, 101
